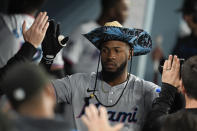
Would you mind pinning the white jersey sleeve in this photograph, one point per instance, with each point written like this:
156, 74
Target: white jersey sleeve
63, 89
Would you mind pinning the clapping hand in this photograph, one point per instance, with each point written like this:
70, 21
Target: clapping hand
171, 71
97, 120
36, 33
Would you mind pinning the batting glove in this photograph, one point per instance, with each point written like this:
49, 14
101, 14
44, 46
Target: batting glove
53, 42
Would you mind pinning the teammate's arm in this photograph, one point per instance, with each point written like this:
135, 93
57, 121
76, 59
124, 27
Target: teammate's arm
33, 38
166, 100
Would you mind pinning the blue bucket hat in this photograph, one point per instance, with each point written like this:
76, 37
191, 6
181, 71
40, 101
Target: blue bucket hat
138, 39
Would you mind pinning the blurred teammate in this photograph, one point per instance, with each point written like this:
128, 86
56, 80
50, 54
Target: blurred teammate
33, 38
11, 31
27, 88
187, 46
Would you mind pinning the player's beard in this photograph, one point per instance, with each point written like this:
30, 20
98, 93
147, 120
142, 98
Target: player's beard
110, 76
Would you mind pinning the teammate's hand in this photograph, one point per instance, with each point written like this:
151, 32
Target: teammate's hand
97, 120
53, 41
171, 71
35, 34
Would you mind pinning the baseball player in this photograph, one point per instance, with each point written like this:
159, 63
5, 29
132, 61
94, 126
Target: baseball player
126, 97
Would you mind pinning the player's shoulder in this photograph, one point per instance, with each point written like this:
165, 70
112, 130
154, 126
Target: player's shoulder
147, 85
84, 76
136, 79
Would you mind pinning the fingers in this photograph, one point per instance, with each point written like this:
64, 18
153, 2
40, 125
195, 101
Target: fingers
85, 120
45, 27
40, 21
58, 30
94, 117
37, 19
43, 22
91, 112
52, 27
169, 62
171, 71
176, 64
103, 113
94, 110
88, 113
24, 27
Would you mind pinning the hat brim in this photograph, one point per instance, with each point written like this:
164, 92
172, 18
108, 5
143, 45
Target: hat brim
138, 39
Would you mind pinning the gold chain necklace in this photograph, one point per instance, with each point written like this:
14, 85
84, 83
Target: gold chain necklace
102, 87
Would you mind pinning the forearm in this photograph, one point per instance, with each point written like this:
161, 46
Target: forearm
166, 103
26, 53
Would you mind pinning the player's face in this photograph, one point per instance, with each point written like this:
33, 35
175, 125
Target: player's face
122, 10
114, 56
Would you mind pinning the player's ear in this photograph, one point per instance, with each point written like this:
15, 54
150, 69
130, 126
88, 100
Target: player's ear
130, 53
181, 87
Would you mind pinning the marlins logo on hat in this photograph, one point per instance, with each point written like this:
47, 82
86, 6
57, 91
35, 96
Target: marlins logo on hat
138, 39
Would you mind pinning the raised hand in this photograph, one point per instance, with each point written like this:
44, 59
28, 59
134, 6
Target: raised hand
53, 41
36, 33
97, 120
171, 71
